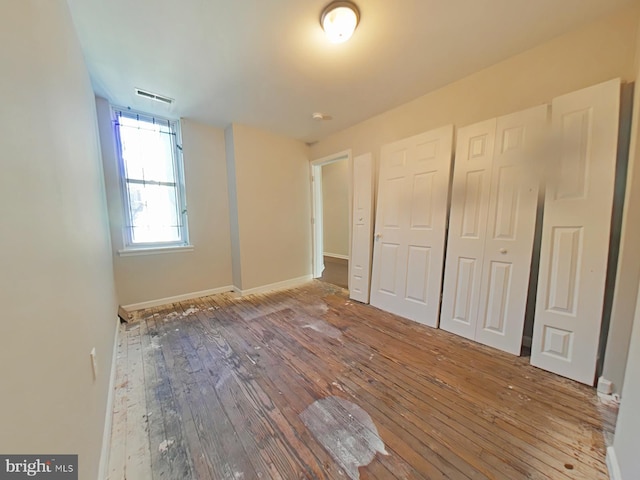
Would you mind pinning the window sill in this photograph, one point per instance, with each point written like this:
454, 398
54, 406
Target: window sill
130, 252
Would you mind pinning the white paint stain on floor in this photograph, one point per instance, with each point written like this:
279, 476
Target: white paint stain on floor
164, 446
190, 311
346, 431
267, 310
324, 328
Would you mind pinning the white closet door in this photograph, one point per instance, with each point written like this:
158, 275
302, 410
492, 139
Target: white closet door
362, 228
575, 236
467, 227
410, 226
517, 163
493, 213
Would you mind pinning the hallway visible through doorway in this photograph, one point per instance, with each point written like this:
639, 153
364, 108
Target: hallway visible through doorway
331, 219
336, 271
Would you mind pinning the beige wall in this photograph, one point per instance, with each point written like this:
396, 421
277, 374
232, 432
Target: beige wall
627, 437
144, 278
56, 281
335, 207
273, 196
628, 274
590, 55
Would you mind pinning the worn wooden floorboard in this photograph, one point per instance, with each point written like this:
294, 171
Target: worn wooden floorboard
154, 415
178, 420
317, 388
322, 371
490, 406
456, 454
138, 457
289, 427
223, 387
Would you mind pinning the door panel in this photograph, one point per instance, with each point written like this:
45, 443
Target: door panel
410, 225
393, 206
511, 225
467, 226
464, 289
493, 212
418, 267
506, 210
574, 130
565, 254
473, 199
575, 235
495, 317
389, 268
362, 228
422, 200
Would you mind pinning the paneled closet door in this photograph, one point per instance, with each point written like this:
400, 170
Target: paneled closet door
575, 233
362, 228
467, 227
492, 226
411, 215
515, 178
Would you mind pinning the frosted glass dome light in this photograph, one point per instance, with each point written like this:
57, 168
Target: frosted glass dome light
339, 20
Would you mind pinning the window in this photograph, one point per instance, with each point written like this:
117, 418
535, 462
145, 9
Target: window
150, 166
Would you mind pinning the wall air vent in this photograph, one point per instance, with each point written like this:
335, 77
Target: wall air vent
154, 96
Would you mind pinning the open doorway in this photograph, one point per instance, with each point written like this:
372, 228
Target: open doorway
331, 194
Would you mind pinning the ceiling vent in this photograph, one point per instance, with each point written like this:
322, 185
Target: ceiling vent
154, 96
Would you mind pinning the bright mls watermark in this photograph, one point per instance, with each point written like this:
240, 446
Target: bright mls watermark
50, 467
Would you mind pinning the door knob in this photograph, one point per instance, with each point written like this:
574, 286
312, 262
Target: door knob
377, 236
503, 251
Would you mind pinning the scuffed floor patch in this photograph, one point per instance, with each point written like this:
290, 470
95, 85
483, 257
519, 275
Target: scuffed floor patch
324, 328
346, 431
164, 446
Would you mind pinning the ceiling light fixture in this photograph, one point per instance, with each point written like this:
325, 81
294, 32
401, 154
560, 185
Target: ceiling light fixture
339, 20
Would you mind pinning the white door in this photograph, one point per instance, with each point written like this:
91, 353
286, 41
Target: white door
467, 227
362, 228
411, 216
575, 235
513, 203
492, 226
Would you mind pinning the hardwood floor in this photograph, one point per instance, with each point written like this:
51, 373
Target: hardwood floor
305, 384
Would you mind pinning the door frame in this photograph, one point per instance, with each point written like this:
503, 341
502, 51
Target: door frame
317, 255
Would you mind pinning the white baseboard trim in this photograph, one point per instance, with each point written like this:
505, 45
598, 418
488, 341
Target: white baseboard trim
177, 298
108, 416
612, 465
527, 341
605, 386
294, 282
336, 255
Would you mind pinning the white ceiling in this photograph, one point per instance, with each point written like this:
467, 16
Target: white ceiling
267, 63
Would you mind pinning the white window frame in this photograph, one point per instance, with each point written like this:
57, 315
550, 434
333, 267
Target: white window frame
130, 247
